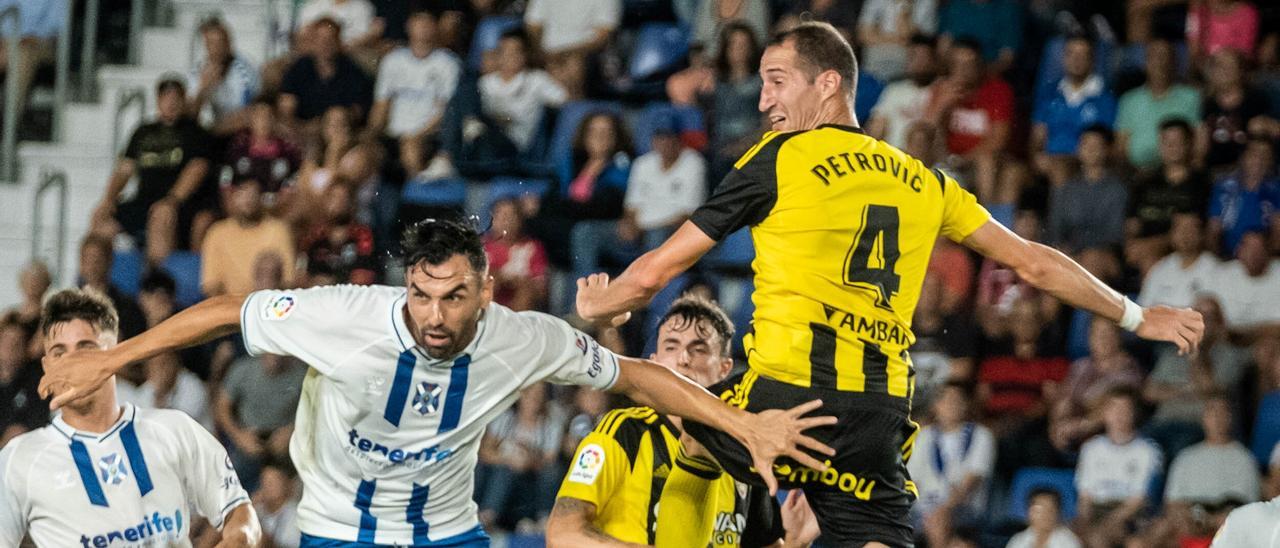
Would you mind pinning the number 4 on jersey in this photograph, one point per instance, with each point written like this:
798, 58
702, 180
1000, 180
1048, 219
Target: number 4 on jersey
874, 253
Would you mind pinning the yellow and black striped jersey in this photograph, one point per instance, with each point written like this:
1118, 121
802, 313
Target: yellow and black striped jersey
622, 467
843, 227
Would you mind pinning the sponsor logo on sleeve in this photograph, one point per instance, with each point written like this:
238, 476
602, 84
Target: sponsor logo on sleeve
588, 465
279, 307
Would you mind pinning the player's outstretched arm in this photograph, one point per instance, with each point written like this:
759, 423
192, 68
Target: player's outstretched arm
572, 525
601, 301
77, 374
241, 529
768, 435
1051, 271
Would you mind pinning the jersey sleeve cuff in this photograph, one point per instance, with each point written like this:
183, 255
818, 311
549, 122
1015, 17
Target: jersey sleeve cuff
244, 324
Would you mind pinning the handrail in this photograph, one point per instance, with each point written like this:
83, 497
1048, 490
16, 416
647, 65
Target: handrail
50, 177
88, 51
9, 140
125, 99
273, 30
135, 31
62, 71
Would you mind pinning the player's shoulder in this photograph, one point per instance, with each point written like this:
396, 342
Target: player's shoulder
165, 422
27, 444
351, 298
628, 427
765, 151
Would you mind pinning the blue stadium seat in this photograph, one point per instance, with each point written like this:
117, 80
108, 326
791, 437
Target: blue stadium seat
443, 193
526, 541
1078, 334
659, 49
571, 115
690, 119
869, 89
488, 31
126, 271
734, 253
1266, 427
1027, 480
501, 188
184, 267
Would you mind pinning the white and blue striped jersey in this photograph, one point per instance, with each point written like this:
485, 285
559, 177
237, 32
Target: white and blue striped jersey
139, 484
386, 437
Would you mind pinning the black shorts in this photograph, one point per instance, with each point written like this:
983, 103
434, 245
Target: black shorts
866, 493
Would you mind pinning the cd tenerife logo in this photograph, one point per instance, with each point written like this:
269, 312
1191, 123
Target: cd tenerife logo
367, 448
158, 525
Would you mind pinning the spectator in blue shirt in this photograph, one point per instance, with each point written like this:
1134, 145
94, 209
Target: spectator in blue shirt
1061, 113
39, 24
996, 24
1245, 200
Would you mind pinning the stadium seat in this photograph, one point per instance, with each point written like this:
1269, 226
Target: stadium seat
184, 267
1078, 334
501, 188
488, 31
693, 131
734, 254
1266, 427
571, 115
1028, 480
659, 49
126, 271
444, 193
869, 89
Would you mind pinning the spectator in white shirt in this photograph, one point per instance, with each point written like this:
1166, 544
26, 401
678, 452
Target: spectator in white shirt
515, 96
903, 103
954, 459
171, 386
277, 507
1208, 474
1115, 473
569, 32
223, 82
1044, 524
666, 185
1247, 288
1189, 270
414, 86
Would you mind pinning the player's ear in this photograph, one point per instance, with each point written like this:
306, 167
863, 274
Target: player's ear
726, 365
828, 83
486, 290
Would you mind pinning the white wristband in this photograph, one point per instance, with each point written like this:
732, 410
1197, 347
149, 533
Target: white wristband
1132, 317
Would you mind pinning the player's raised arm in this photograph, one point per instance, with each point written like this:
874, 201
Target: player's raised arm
767, 435
1056, 274
77, 374
599, 300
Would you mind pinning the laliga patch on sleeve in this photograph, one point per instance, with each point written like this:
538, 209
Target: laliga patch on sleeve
588, 465
279, 307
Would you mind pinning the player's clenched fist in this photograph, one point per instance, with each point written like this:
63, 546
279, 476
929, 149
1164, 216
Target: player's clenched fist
1181, 326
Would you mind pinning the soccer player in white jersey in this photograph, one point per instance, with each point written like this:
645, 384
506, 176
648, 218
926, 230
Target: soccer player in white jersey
1254, 525
109, 475
404, 380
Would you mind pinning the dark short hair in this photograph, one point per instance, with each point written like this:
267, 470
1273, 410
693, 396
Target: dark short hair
264, 100
820, 47
435, 241
1045, 492
170, 82
921, 39
692, 310
1126, 393
964, 387
517, 34
158, 280
1177, 123
79, 304
970, 43
1101, 131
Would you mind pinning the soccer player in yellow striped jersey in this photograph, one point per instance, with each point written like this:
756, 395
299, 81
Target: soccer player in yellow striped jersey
843, 226
618, 476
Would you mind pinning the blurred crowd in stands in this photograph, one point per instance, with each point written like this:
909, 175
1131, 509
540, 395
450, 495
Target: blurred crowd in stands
1138, 137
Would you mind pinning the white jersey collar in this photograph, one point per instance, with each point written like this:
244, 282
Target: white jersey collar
71, 433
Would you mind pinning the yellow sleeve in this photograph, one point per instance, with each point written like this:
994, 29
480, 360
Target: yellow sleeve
961, 213
687, 509
598, 469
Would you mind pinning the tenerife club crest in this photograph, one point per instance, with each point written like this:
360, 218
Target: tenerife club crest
426, 398
111, 469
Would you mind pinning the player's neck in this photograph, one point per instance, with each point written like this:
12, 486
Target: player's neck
96, 415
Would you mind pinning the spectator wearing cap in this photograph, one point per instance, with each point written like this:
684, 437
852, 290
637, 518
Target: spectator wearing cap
570, 33
665, 186
170, 156
414, 85
39, 24
1142, 110
1245, 200
1064, 110
324, 78
518, 262
234, 243
222, 82
1087, 212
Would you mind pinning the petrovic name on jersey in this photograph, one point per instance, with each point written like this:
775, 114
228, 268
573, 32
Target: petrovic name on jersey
838, 164
155, 530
